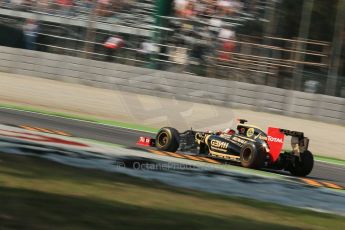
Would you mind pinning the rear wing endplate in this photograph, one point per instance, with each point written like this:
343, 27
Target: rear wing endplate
292, 133
275, 141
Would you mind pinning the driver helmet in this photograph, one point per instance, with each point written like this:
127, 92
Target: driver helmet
230, 131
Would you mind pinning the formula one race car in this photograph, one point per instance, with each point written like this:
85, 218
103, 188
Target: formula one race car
249, 145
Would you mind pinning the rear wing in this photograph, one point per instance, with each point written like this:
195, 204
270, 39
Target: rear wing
275, 141
292, 133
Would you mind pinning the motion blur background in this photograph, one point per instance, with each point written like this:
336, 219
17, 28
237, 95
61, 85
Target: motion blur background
281, 43
82, 80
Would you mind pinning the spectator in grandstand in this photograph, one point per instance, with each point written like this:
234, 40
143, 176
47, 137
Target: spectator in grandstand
112, 45
211, 9
189, 11
28, 4
87, 5
227, 44
103, 8
42, 5
147, 49
65, 7
180, 6
198, 50
17, 4
215, 25
226, 34
228, 7
30, 30
189, 8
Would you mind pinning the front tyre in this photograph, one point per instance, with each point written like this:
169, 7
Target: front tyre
304, 166
168, 139
252, 156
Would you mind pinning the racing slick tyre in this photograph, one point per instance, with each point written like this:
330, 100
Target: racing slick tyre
304, 166
168, 139
252, 156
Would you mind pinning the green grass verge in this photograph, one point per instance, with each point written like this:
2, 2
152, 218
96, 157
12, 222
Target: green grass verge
123, 125
330, 160
39, 194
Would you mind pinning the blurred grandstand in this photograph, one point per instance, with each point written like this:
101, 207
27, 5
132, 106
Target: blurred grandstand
206, 37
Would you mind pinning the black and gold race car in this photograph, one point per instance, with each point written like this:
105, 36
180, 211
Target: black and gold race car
249, 145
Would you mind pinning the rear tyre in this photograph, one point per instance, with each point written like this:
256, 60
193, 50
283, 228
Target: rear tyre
304, 166
168, 139
252, 156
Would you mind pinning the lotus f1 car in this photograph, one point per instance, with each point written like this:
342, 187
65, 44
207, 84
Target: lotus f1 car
249, 145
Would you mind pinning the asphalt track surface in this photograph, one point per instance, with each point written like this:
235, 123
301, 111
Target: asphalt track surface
322, 171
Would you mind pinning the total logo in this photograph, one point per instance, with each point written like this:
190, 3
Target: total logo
275, 139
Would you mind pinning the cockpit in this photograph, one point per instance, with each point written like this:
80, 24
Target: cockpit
250, 131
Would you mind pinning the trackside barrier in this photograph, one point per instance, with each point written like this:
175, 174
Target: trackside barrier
171, 85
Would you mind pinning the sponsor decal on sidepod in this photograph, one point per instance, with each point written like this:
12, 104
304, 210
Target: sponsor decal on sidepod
219, 144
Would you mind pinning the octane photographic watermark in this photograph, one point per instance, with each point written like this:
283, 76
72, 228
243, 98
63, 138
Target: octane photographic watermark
166, 166
153, 166
138, 164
